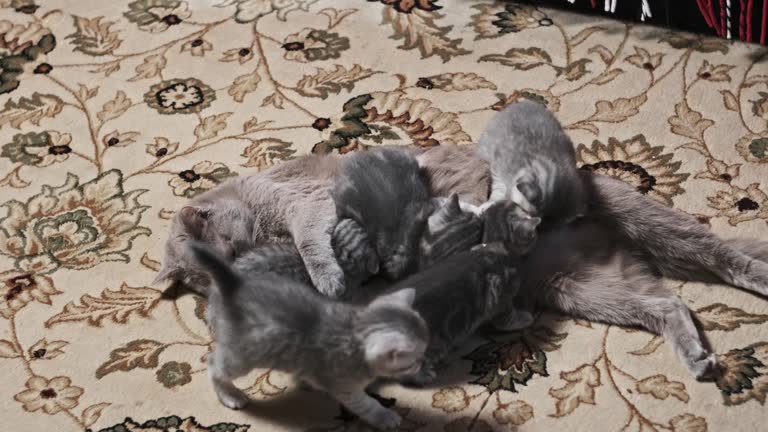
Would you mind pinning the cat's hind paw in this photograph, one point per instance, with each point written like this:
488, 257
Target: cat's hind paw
704, 369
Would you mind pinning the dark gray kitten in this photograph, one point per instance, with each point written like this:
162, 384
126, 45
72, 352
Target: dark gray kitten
466, 289
267, 321
384, 192
533, 163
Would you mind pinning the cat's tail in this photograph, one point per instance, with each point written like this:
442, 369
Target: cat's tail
219, 269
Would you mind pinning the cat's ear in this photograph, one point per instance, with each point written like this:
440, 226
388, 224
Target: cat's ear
165, 274
403, 297
453, 205
533, 222
194, 219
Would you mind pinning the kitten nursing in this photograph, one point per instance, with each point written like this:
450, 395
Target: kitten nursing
533, 163
268, 321
385, 193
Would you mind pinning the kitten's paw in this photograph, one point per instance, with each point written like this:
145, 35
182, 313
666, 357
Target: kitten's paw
232, 398
704, 369
330, 285
513, 321
424, 377
384, 419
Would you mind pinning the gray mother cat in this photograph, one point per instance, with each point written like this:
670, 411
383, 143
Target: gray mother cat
671, 242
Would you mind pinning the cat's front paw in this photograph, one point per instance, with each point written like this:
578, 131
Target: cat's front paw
513, 321
330, 285
425, 376
232, 398
383, 419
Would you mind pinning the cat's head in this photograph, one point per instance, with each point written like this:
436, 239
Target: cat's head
569, 200
449, 229
394, 336
397, 244
226, 228
506, 224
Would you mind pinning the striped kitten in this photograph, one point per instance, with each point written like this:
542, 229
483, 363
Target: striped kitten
458, 293
533, 163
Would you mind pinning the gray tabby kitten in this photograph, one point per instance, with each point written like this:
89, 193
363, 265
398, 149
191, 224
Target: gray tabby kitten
267, 321
383, 191
533, 162
464, 290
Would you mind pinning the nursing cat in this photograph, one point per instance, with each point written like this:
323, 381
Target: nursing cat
385, 193
262, 320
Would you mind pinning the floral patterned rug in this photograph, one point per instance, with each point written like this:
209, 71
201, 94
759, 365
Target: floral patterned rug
112, 114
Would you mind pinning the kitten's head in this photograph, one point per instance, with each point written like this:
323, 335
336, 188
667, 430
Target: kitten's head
568, 201
449, 230
506, 224
397, 246
394, 335
226, 228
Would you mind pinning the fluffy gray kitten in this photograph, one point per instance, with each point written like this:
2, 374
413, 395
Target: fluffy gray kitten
267, 321
533, 163
385, 193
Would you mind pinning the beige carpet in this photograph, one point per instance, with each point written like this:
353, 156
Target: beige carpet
112, 115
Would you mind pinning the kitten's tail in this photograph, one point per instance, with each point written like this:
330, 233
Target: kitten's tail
226, 279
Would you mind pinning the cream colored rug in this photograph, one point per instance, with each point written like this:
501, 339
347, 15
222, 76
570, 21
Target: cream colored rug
112, 114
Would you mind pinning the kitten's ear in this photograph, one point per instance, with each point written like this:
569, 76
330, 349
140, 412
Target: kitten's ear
194, 219
403, 297
453, 203
533, 222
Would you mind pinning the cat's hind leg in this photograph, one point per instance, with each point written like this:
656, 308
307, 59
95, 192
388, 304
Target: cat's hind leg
628, 294
756, 249
677, 245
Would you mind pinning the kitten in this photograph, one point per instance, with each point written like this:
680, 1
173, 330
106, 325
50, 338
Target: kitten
533, 162
266, 321
287, 202
464, 290
281, 259
383, 191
